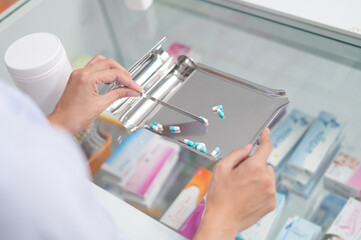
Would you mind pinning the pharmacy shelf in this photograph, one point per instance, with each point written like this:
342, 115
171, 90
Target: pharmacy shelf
317, 72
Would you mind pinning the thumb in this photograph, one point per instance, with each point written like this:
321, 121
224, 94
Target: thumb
116, 94
236, 157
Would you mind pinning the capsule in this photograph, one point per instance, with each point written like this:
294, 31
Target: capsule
189, 142
153, 127
205, 120
174, 129
196, 144
215, 152
159, 126
202, 149
221, 114
215, 108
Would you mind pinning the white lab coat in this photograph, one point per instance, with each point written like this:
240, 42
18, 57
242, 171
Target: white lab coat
44, 188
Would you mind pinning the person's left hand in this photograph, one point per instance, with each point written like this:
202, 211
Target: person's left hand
81, 103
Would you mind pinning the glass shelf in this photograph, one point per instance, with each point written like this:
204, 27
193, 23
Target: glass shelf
317, 72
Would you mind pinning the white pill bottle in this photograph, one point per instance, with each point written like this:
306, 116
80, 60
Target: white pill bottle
39, 66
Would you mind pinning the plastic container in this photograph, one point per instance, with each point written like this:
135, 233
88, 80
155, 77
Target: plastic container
39, 66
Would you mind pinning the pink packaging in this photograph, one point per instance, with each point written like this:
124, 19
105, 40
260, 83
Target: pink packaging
190, 226
177, 49
147, 171
347, 225
344, 176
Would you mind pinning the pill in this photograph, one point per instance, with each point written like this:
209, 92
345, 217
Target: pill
159, 126
153, 127
203, 149
196, 144
174, 129
215, 152
215, 108
205, 120
221, 114
189, 142
199, 147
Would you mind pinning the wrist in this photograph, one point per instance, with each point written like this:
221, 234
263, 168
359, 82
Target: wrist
56, 120
212, 227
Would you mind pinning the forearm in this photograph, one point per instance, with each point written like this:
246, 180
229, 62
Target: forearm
211, 229
55, 120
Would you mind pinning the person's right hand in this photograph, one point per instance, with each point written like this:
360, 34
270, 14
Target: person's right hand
81, 102
241, 191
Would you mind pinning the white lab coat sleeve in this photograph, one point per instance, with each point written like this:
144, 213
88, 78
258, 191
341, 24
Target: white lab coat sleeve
44, 179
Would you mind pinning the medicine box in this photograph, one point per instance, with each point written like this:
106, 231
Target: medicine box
297, 228
263, 228
187, 200
299, 178
316, 143
286, 134
344, 176
328, 210
121, 164
347, 225
139, 167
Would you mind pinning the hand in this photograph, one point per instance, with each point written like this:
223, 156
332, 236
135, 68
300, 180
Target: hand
81, 103
241, 191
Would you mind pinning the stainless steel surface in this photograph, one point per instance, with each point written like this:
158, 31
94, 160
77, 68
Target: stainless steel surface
191, 115
136, 111
160, 76
248, 108
141, 72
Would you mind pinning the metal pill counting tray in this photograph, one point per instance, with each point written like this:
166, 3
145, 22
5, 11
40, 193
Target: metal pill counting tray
248, 107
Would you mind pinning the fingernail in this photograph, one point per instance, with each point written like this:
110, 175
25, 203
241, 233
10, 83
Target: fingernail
133, 94
268, 131
248, 147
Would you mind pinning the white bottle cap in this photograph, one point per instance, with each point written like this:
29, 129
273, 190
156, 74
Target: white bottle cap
39, 66
33, 55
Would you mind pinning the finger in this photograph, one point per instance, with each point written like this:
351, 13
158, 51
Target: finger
236, 156
95, 59
111, 75
106, 63
265, 146
115, 94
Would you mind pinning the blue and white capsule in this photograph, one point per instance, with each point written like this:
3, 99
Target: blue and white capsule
216, 108
196, 144
221, 114
215, 152
174, 129
158, 125
189, 142
153, 127
203, 149
205, 121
